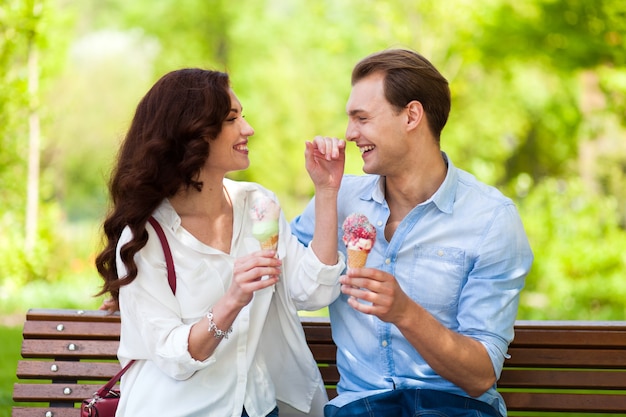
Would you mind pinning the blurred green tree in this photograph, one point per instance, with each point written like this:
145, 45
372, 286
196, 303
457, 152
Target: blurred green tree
539, 94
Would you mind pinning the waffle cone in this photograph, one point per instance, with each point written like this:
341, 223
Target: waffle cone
357, 258
271, 243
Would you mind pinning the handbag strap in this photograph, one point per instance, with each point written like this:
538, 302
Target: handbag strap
171, 273
104, 390
171, 279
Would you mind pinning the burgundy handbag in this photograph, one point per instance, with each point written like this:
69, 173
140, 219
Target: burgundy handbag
104, 401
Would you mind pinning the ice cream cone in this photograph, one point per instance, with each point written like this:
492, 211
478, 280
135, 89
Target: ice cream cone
359, 236
271, 243
264, 214
357, 258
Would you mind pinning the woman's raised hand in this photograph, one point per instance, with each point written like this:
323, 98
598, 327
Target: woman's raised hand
324, 161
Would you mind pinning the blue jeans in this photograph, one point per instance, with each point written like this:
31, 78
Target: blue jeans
273, 413
413, 403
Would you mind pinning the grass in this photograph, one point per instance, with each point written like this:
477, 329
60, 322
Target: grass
9, 355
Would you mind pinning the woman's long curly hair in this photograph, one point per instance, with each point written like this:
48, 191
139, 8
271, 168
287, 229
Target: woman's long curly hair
166, 146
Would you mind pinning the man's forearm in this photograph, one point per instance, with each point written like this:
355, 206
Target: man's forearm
459, 359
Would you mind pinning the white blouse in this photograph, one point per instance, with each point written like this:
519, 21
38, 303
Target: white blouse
266, 356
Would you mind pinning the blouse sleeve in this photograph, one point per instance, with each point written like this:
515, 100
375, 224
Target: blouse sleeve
152, 328
312, 284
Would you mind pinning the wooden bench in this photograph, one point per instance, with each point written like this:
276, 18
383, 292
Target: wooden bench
564, 367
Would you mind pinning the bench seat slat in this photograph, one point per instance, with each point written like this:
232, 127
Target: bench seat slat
84, 349
71, 329
66, 370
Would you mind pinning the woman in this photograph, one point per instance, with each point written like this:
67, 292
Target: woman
228, 342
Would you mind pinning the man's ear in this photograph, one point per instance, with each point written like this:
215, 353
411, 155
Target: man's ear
415, 114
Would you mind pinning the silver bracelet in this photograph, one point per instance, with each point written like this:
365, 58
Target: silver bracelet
219, 334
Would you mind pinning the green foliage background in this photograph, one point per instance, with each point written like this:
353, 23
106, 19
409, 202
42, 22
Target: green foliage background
539, 98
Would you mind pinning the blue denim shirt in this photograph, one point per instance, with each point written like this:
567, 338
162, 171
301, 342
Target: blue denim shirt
463, 255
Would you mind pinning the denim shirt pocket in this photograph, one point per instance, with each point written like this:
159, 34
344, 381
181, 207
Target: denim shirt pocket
436, 278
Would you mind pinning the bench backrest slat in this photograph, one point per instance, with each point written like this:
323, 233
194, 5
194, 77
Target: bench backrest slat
68, 349
68, 329
41, 412
592, 338
565, 403
61, 392
330, 374
63, 315
562, 379
66, 370
561, 358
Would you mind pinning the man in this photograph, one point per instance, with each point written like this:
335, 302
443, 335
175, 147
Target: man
427, 323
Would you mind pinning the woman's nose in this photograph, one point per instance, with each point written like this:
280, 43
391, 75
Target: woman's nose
247, 129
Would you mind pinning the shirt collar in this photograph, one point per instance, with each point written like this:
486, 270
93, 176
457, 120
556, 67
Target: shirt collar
443, 197
237, 191
167, 216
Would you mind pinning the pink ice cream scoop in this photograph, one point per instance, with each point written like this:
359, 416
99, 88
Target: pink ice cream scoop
359, 236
